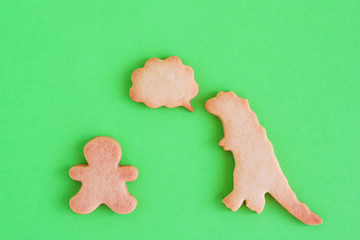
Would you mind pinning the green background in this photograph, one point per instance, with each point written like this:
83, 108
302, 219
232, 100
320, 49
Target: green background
65, 70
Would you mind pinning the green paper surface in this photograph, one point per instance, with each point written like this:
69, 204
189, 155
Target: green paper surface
65, 69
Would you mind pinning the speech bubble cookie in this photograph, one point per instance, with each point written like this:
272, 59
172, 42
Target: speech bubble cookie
167, 83
257, 170
103, 180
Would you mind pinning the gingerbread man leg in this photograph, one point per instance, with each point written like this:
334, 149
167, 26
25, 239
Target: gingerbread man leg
121, 203
84, 202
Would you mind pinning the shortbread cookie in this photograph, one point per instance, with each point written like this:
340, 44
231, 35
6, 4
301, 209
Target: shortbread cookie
257, 170
167, 83
103, 180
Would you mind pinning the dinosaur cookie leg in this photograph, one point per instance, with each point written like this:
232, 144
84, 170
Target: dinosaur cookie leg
234, 200
84, 202
256, 203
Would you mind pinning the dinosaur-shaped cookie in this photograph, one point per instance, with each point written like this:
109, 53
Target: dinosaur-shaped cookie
257, 170
103, 180
167, 83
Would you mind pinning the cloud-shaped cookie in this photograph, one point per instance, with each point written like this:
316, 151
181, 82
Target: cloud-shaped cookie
167, 83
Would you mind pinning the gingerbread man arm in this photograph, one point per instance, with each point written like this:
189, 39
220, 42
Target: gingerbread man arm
77, 172
128, 173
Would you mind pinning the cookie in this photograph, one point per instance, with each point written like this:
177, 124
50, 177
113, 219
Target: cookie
167, 83
103, 180
257, 170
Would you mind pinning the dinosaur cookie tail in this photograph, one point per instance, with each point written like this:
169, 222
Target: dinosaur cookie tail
287, 198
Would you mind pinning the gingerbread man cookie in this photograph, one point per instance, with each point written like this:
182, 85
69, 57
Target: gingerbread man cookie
103, 180
257, 170
167, 83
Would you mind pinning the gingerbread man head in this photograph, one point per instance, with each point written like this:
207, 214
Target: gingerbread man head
103, 151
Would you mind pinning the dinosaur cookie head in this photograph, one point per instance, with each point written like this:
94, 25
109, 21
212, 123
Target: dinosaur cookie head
223, 103
102, 151
167, 83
